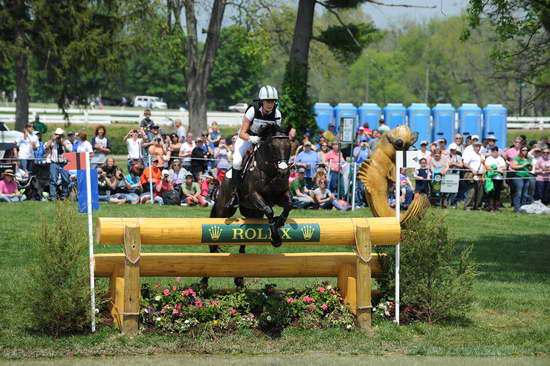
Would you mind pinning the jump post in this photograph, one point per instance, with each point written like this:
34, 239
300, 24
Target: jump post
353, 269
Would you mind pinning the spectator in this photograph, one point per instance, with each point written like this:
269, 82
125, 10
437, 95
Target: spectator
164, 188
40, 152
103, 186
177, 173
199, 160
456, 167
186, 150
407, 193
439, 163
422, 177
180, 130
101, 145
458, 144
509, 155
535, 153
222, 155
84, 145
173, 146
335, 159
330, 134
367, 131
57, 146
74, 140
293, 174
473, 140
191, 193
119, 189
320, 174
361, 152
522, 165
110, 167
151, 174
147, 123
424, 152
8, 188
542, 177
494, 177
374, 140
134, 140
322, 196
382, 127
214, 136
27, 145
322, 140
543, 143
299, 191
133, 184
473, 161
308, 160
442, 145
158, 151
487, 149
322, 153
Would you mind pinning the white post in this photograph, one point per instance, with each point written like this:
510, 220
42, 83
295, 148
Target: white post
150, 178
398, 165
90, 237
353, 187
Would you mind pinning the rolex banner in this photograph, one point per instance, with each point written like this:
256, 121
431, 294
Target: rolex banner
258, 233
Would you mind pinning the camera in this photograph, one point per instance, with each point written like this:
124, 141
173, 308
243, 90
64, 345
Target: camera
135, 131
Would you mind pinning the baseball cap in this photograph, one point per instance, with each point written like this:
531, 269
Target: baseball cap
301, 170
491, 137
475, 137
70, 133
165, 172
424, 142
453, 146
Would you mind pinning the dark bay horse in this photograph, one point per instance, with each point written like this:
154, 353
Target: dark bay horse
264, 185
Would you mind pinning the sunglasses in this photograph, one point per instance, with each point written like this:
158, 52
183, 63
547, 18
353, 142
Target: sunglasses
524, 150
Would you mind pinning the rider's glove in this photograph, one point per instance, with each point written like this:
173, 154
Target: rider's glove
254, 140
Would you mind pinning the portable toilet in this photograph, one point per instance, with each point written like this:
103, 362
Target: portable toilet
323, 115
370, 113
494, 123
394, 115
444, 125
469, 118
343, 110
420, 121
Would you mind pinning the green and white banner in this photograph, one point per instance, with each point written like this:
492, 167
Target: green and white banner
221, 233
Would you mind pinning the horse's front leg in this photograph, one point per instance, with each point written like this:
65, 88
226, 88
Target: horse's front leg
261, 205
286, 203
213, 249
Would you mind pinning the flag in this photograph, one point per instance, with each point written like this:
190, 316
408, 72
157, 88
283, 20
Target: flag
82, 191
75, 161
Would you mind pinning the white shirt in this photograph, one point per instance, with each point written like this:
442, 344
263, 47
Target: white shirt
473, 160
85, 146
258, 124
498, 161
26, 149
186, 148
134, 148
181, 132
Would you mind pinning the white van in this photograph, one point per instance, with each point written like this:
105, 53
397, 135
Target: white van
145, 101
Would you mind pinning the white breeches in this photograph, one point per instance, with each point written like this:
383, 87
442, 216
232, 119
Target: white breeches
241, 147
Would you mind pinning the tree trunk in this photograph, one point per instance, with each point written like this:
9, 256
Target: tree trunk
199, 66
303, 30
21, 82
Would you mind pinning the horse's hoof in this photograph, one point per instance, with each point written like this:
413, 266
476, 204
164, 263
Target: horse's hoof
239, 282
277, 243
276, 240
204, 282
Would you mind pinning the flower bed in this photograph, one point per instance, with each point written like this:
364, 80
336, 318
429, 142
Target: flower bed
179, 308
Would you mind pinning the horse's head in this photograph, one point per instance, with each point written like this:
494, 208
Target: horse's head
276, 147
400, 138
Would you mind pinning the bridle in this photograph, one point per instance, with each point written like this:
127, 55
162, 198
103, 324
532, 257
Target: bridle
279, 164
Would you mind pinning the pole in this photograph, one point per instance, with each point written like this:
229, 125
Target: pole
90, 237
150, 178
398, 165
353, 186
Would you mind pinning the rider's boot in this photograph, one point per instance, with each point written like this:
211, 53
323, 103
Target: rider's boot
236, 180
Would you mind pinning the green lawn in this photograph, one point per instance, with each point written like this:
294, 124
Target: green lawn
511, 315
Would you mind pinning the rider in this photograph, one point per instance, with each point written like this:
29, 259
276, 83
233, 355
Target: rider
258, 115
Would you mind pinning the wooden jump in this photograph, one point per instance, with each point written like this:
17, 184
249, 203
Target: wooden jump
353, 269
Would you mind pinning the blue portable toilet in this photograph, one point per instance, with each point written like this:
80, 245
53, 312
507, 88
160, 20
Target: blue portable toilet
370, 113
444, 122
469, 119
395, 115
344, 110
494, 123
323, 115
420, 121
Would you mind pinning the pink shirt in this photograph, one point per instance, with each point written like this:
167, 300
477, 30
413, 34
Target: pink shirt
542, 164
511, 153
7, 188
334, 159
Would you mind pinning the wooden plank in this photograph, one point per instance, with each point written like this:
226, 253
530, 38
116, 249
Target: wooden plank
132, 288
364, 305
313, 264
220, 231
347, 286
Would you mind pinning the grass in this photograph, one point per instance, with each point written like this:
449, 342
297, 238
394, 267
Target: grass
511, 315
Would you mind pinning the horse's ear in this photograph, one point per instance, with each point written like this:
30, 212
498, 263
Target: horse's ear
284, 129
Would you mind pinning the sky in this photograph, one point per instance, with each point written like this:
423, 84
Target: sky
385, 16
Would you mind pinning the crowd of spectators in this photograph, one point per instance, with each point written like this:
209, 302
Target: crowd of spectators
176, 168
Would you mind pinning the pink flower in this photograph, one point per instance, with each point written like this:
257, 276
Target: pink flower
321, 289
199, 304
214, 303
178, 279
166, 292
162, 311
175, 312
408, 309
166, 306
156, 284
332, 291
311, 308
232, 311
178, 306
289, 300
174, 288
269, 290
308, 299
188, 292
324, 306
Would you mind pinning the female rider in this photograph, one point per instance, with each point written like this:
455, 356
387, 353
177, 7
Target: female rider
259, 115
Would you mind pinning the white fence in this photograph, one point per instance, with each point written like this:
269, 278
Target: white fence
114, 116
167, 117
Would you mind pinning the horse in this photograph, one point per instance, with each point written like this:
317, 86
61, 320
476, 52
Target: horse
264, 185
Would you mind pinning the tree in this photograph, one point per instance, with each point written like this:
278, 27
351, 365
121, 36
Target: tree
66, 39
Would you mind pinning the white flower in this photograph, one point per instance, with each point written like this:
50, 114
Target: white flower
157, 298
146, 311
329, 287
96, 310
158, 319
348, 326
186, 321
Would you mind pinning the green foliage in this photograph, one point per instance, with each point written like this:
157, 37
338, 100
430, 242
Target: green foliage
296, 105
339, 41
436, 278
57, 294
178, 308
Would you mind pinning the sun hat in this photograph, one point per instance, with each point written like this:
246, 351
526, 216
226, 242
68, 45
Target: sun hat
8, 172
59, 131
475, 137
301, 170
491, 137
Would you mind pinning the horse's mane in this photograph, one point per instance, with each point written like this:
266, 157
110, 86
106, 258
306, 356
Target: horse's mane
273, 130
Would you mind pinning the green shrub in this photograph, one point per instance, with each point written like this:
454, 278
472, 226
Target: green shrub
436, 277
58, 293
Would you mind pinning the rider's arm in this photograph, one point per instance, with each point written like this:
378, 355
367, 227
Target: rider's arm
243, 132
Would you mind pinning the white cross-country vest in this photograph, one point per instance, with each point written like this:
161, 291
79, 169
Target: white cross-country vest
260, 121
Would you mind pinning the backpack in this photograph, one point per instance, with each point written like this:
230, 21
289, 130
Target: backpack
171, 197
